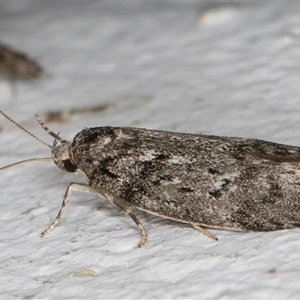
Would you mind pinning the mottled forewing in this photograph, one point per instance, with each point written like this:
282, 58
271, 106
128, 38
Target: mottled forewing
212, 181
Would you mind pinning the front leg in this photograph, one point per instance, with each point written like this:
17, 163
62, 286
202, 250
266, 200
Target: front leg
72, 186
88, 189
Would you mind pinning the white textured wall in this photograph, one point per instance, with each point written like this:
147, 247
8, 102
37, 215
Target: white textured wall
223, 69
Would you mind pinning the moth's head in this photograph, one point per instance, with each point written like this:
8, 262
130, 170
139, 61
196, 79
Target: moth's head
60, 150
61, 156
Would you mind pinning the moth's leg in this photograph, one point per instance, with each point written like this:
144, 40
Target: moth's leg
204, 232
11, 82
73, 186
141, 227
120, 203
13, 87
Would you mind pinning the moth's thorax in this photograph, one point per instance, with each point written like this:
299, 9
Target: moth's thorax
61, 156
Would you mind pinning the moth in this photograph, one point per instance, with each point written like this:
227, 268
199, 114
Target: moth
16, 65
206, 181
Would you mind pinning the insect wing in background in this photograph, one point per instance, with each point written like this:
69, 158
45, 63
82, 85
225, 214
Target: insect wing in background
16, 65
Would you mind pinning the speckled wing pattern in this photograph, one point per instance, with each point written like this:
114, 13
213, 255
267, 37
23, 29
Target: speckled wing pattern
218, 182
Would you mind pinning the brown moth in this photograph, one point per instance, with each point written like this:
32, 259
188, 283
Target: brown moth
16, 65
206, 181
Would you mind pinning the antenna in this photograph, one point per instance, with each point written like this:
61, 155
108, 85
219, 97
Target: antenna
25, 161
56, 136
28, 132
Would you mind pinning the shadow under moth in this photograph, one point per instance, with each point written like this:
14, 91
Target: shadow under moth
206, 181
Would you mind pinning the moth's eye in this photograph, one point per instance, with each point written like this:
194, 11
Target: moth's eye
69, 166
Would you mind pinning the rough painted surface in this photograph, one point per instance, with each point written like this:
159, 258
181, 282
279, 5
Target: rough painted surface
221, 69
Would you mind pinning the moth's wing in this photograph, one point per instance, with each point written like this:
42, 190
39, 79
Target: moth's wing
212, 181
15, 65
183, 177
